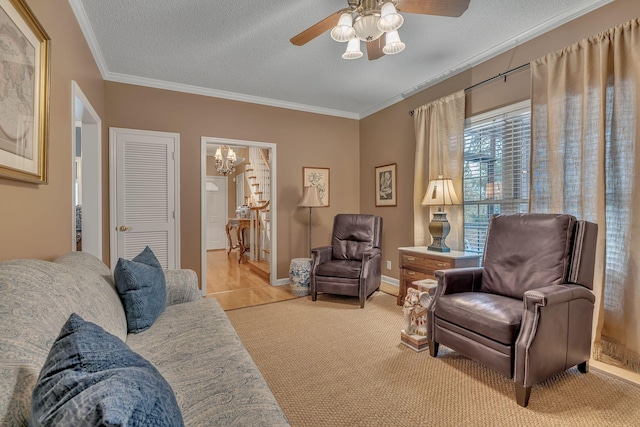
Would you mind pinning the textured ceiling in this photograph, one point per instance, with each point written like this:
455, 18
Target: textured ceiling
240, 49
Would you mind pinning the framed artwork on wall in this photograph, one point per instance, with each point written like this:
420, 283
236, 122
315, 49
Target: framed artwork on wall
24, 106
386, 190
318, 177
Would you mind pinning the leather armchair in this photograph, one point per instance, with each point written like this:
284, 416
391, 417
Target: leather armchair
352, 265
527, 312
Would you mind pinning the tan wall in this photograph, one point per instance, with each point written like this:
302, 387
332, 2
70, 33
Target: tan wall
36, 220
302, 139
388, 136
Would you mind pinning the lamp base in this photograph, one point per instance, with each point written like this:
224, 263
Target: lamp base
439, 228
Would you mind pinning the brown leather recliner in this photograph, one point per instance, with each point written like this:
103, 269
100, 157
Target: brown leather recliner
352, 264
527, 312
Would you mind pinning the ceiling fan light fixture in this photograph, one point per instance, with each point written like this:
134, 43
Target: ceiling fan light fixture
343, 32
366, 27
394, 44
390, 19
353, 49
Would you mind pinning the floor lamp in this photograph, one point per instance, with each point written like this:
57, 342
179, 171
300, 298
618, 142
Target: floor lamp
310, 199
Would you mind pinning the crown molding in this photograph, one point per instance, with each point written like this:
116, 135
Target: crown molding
89, 35
524, 37
197, 90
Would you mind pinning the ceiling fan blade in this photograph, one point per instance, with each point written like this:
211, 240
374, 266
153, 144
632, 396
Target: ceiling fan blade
452, 8
374, 48
315, 30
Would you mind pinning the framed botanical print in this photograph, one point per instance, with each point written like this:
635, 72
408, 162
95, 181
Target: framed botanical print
318, 177
24, 104
386, 193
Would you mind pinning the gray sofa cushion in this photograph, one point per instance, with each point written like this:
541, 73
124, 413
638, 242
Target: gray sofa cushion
92, 378
216, 382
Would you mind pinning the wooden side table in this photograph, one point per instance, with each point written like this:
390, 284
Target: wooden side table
240, 224
418, 263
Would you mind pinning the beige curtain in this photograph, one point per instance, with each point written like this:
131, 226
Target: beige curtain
439, 128
585, 161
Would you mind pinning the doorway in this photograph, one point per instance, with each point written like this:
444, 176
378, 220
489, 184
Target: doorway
86, 147
217, 201
208, 148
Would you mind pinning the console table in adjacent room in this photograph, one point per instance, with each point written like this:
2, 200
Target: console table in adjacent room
240, 225
418, 263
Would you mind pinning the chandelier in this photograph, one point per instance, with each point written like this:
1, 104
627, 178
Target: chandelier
225, 160
374, 18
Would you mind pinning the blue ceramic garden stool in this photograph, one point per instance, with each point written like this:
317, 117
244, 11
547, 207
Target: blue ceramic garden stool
299, 272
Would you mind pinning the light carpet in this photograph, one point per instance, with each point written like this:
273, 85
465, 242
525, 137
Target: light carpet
330, 363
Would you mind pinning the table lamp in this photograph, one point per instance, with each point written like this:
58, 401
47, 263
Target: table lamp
440, 193
310, 199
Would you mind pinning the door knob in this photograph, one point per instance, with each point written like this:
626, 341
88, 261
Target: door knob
124, 228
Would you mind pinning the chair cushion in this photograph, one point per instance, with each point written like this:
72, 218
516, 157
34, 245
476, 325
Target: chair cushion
494, 316
525, 252
142, 288
92, 378
353, 234
340, 268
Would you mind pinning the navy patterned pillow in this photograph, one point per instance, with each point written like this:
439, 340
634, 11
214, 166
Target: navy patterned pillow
92, 378
142, 288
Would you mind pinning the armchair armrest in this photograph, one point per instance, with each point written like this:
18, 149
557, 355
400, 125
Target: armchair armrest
555, 333
182, 286
368, 254
458, 280
320, 255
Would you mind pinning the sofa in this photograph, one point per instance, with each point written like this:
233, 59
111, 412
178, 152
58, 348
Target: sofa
192, 344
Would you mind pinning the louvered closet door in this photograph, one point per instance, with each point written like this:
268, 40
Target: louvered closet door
145, 194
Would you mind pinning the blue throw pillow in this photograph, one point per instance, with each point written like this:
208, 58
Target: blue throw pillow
142, 288
92, 378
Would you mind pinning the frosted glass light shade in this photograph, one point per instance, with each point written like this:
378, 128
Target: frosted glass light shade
390, 19
366, 27
353, 49
394, 44
343, 32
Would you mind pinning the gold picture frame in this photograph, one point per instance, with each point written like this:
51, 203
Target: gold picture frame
318, 177
386, 188
24, 110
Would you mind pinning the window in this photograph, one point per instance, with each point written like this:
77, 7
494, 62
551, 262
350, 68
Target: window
496, 169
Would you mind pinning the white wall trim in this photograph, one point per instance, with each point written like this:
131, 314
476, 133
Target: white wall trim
273, 206
89, 35
391, 281
83, 114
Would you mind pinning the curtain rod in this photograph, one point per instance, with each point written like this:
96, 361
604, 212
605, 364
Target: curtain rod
490, 79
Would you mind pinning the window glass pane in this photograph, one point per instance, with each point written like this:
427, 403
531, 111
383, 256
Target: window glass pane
496, 169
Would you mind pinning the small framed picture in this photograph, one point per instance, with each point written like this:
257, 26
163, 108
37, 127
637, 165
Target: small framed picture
386, 193
318, 177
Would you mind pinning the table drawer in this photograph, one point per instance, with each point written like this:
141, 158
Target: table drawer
425, 263
411, 276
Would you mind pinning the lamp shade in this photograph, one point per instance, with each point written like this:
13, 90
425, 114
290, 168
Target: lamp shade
393, 43
353, 49
390, 19
343, 32
311, 198
366, 27
440, 192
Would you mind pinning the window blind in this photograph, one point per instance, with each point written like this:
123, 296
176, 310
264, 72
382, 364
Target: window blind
496, 169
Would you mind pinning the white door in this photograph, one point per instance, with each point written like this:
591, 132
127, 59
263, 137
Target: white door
144, 198
216, 212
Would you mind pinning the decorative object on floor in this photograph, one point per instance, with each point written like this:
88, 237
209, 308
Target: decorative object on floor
317, 177
299, 272
25, 79
527, 313
310, 199
225, 160
414, 331
352, 264
440, 193
386, 194
375, 22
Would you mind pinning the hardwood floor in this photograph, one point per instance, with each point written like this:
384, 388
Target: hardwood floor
235, 286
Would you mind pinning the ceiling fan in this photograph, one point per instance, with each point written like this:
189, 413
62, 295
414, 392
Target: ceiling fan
376, 22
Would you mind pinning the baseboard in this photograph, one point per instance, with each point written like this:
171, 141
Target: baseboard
281, 282
391, 281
